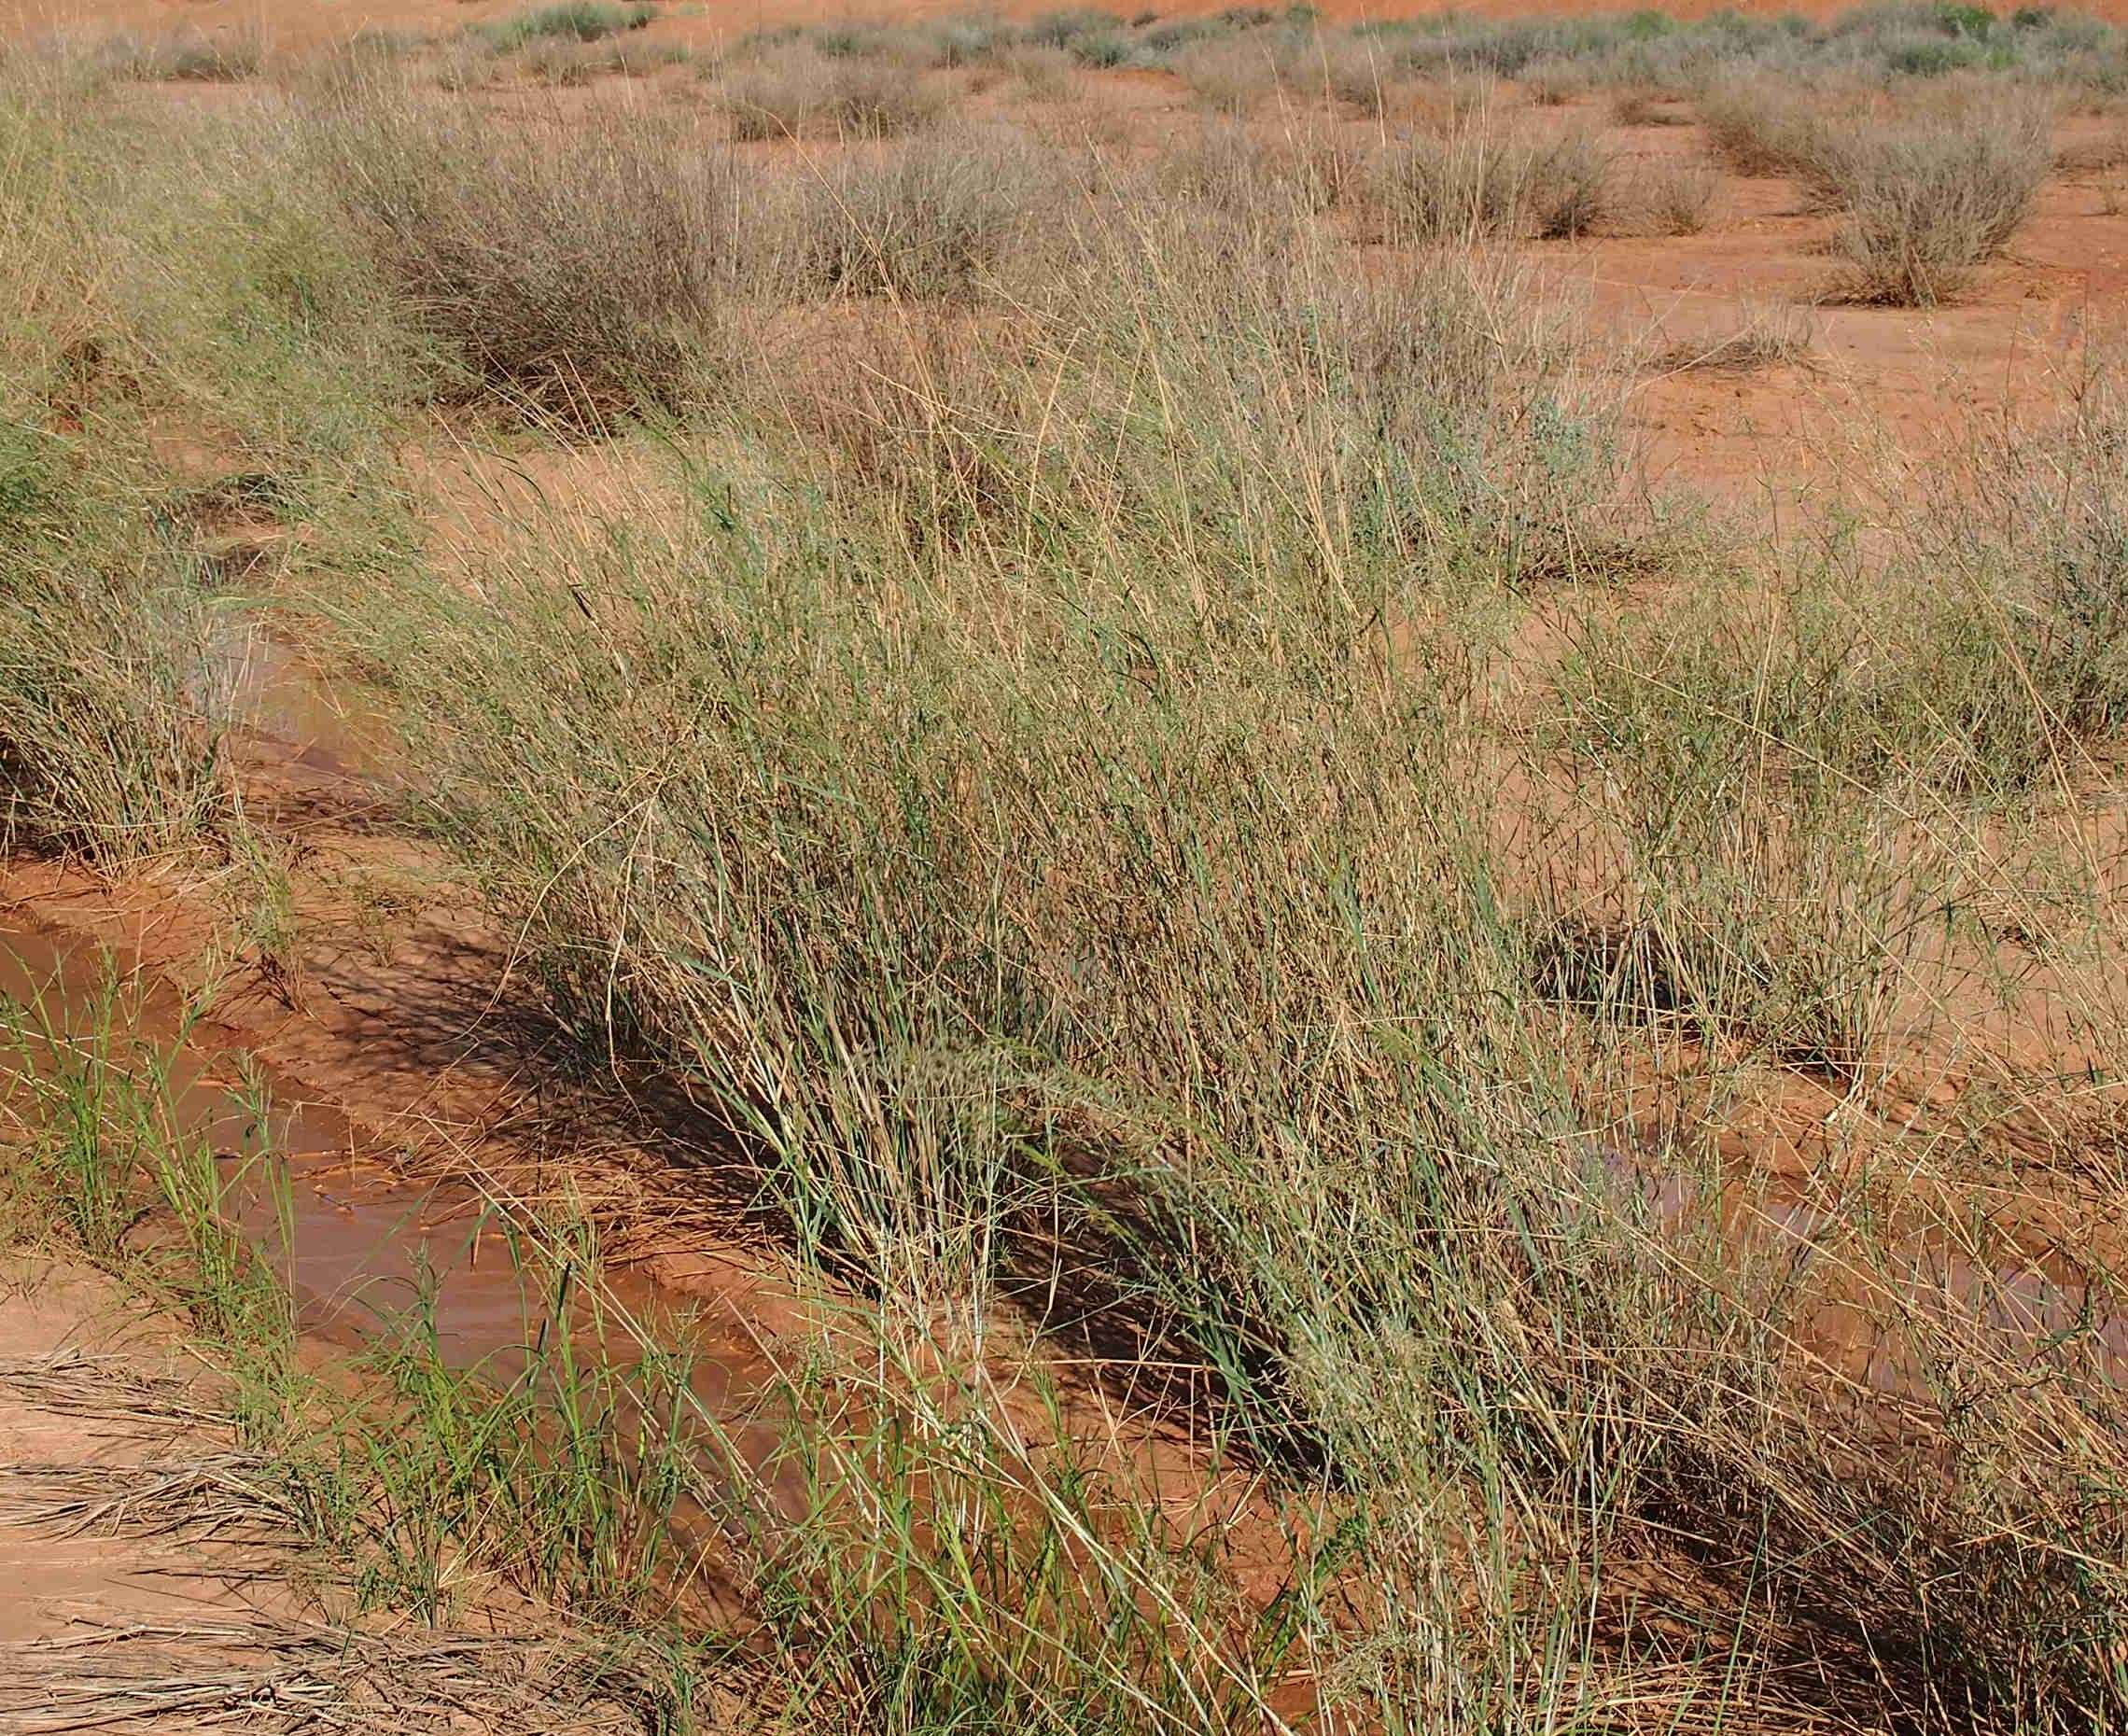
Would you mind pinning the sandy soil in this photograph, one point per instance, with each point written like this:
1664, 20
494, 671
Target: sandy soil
306, 23
1918, 382
145, 1589
80, 1374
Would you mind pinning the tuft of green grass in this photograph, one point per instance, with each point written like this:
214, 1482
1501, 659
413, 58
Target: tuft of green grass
791, 91
117, 687
109, 1159
1081, 862
1479, 181
574, 274
118, 675
909, 1544
568, 20
1926, 202
556, 1465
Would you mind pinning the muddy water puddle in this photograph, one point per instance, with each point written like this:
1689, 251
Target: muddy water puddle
364, 1249
278, 693
1883, 1311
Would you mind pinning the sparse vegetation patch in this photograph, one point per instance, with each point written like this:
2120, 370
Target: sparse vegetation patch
1374, 914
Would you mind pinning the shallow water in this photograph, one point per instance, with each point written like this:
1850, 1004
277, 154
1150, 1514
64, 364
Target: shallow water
358, 1242
276, 691
1871, 1313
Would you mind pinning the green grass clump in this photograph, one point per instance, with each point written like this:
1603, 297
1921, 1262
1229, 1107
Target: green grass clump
1352, 455
175, 273
1082, 860
522, 1467
1482, 180
116, 688
912, 1548
574, 274
549, 1467
1926, 202
571, 20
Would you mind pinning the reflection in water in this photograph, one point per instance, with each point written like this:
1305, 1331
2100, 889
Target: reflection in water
275, 692
360, 1245
1872, 1312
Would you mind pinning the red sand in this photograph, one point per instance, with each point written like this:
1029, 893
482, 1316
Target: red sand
295, 23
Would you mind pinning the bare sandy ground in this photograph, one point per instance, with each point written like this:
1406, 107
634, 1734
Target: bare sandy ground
118, 1605
144, 1587
87, 1391
295, 23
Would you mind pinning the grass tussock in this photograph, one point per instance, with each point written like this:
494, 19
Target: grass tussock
1673, 198
1767, 337
790, 91
1649, 108
571, 62
571, 20
117, 680
1248, 177
1925, 202
184, 55
932, 217
940, 1020
1761, 127
1352, 70
1479, 181
1046, 74
1232, 76
574, 271
1158, 794
1922, 193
